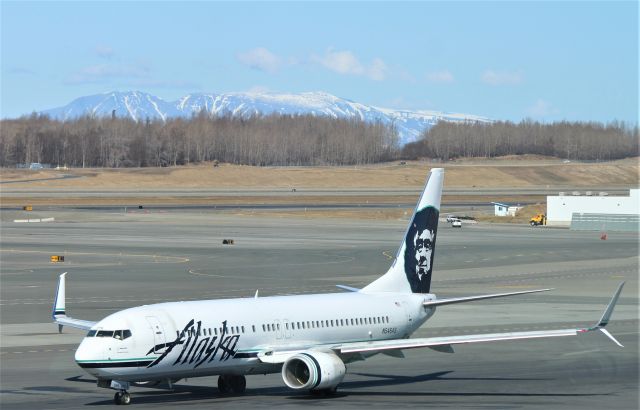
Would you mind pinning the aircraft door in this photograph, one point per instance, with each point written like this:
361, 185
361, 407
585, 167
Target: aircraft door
159, 339
409, 324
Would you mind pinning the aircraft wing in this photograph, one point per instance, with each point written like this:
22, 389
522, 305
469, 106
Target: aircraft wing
59, 314
71, 322
444, 343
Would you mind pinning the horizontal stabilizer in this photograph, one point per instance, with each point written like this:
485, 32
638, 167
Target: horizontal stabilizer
349, 288
439, 302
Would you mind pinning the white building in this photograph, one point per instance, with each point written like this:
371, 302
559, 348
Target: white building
561, 208
504, 209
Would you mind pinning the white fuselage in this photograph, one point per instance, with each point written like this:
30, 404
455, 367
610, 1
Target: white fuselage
175, 340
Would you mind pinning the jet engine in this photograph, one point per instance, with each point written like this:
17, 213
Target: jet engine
312, 370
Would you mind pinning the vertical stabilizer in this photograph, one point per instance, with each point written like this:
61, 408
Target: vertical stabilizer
411, 269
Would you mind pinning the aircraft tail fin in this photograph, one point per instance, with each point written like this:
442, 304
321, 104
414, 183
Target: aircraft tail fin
412, 267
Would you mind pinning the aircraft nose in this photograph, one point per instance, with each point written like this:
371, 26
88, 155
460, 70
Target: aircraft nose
88, 354
82, 353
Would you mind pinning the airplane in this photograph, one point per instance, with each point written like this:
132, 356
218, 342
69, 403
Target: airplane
308, 339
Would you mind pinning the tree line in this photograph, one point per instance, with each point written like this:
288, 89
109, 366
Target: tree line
258, 140
570, 140
293, 140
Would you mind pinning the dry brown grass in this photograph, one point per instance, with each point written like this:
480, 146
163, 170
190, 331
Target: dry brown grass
469, 173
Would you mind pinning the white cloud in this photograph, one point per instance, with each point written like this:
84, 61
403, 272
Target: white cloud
100, 73
260, 59
541, 108
104, 51
21, 71
377, 70
493, 77
258, 89
442, 77
345, 62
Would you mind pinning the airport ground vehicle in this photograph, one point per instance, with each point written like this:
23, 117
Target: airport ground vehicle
539, 219
456, 223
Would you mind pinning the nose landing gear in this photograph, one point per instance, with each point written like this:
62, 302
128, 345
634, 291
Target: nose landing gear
122, 397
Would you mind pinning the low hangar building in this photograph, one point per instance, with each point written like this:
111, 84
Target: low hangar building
598, 212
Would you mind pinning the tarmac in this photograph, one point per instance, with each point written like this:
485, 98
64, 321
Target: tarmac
117, 260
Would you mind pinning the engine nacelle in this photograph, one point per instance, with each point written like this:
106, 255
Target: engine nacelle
313, 371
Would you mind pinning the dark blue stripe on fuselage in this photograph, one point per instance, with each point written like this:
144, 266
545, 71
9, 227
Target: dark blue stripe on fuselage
102, 365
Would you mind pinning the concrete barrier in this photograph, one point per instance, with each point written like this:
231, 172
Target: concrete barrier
34, 220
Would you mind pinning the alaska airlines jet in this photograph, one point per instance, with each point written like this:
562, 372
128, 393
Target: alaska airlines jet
306, 338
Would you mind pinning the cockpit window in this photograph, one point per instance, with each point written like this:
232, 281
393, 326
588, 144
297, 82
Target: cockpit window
116, 334
122, 334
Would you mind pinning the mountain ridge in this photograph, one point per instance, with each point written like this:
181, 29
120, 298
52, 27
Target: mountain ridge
139, 105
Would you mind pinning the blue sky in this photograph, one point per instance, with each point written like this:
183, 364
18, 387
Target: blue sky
506, 60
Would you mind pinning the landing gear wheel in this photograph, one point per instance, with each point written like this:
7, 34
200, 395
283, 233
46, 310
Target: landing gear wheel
223, 385
122, 397
324, 392
228, 384
238, 384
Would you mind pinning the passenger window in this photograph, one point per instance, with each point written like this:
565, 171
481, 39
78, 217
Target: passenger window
242, 329
253, 327
91, 333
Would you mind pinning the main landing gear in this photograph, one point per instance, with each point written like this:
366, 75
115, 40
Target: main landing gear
232, 384
122, 397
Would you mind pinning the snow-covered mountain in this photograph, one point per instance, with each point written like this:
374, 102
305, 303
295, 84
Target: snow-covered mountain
138, 106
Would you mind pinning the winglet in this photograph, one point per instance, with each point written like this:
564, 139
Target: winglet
59, 302
604, 320
59, 314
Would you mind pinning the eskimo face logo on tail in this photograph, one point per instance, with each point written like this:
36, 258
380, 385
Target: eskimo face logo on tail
419, 245
197, 349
